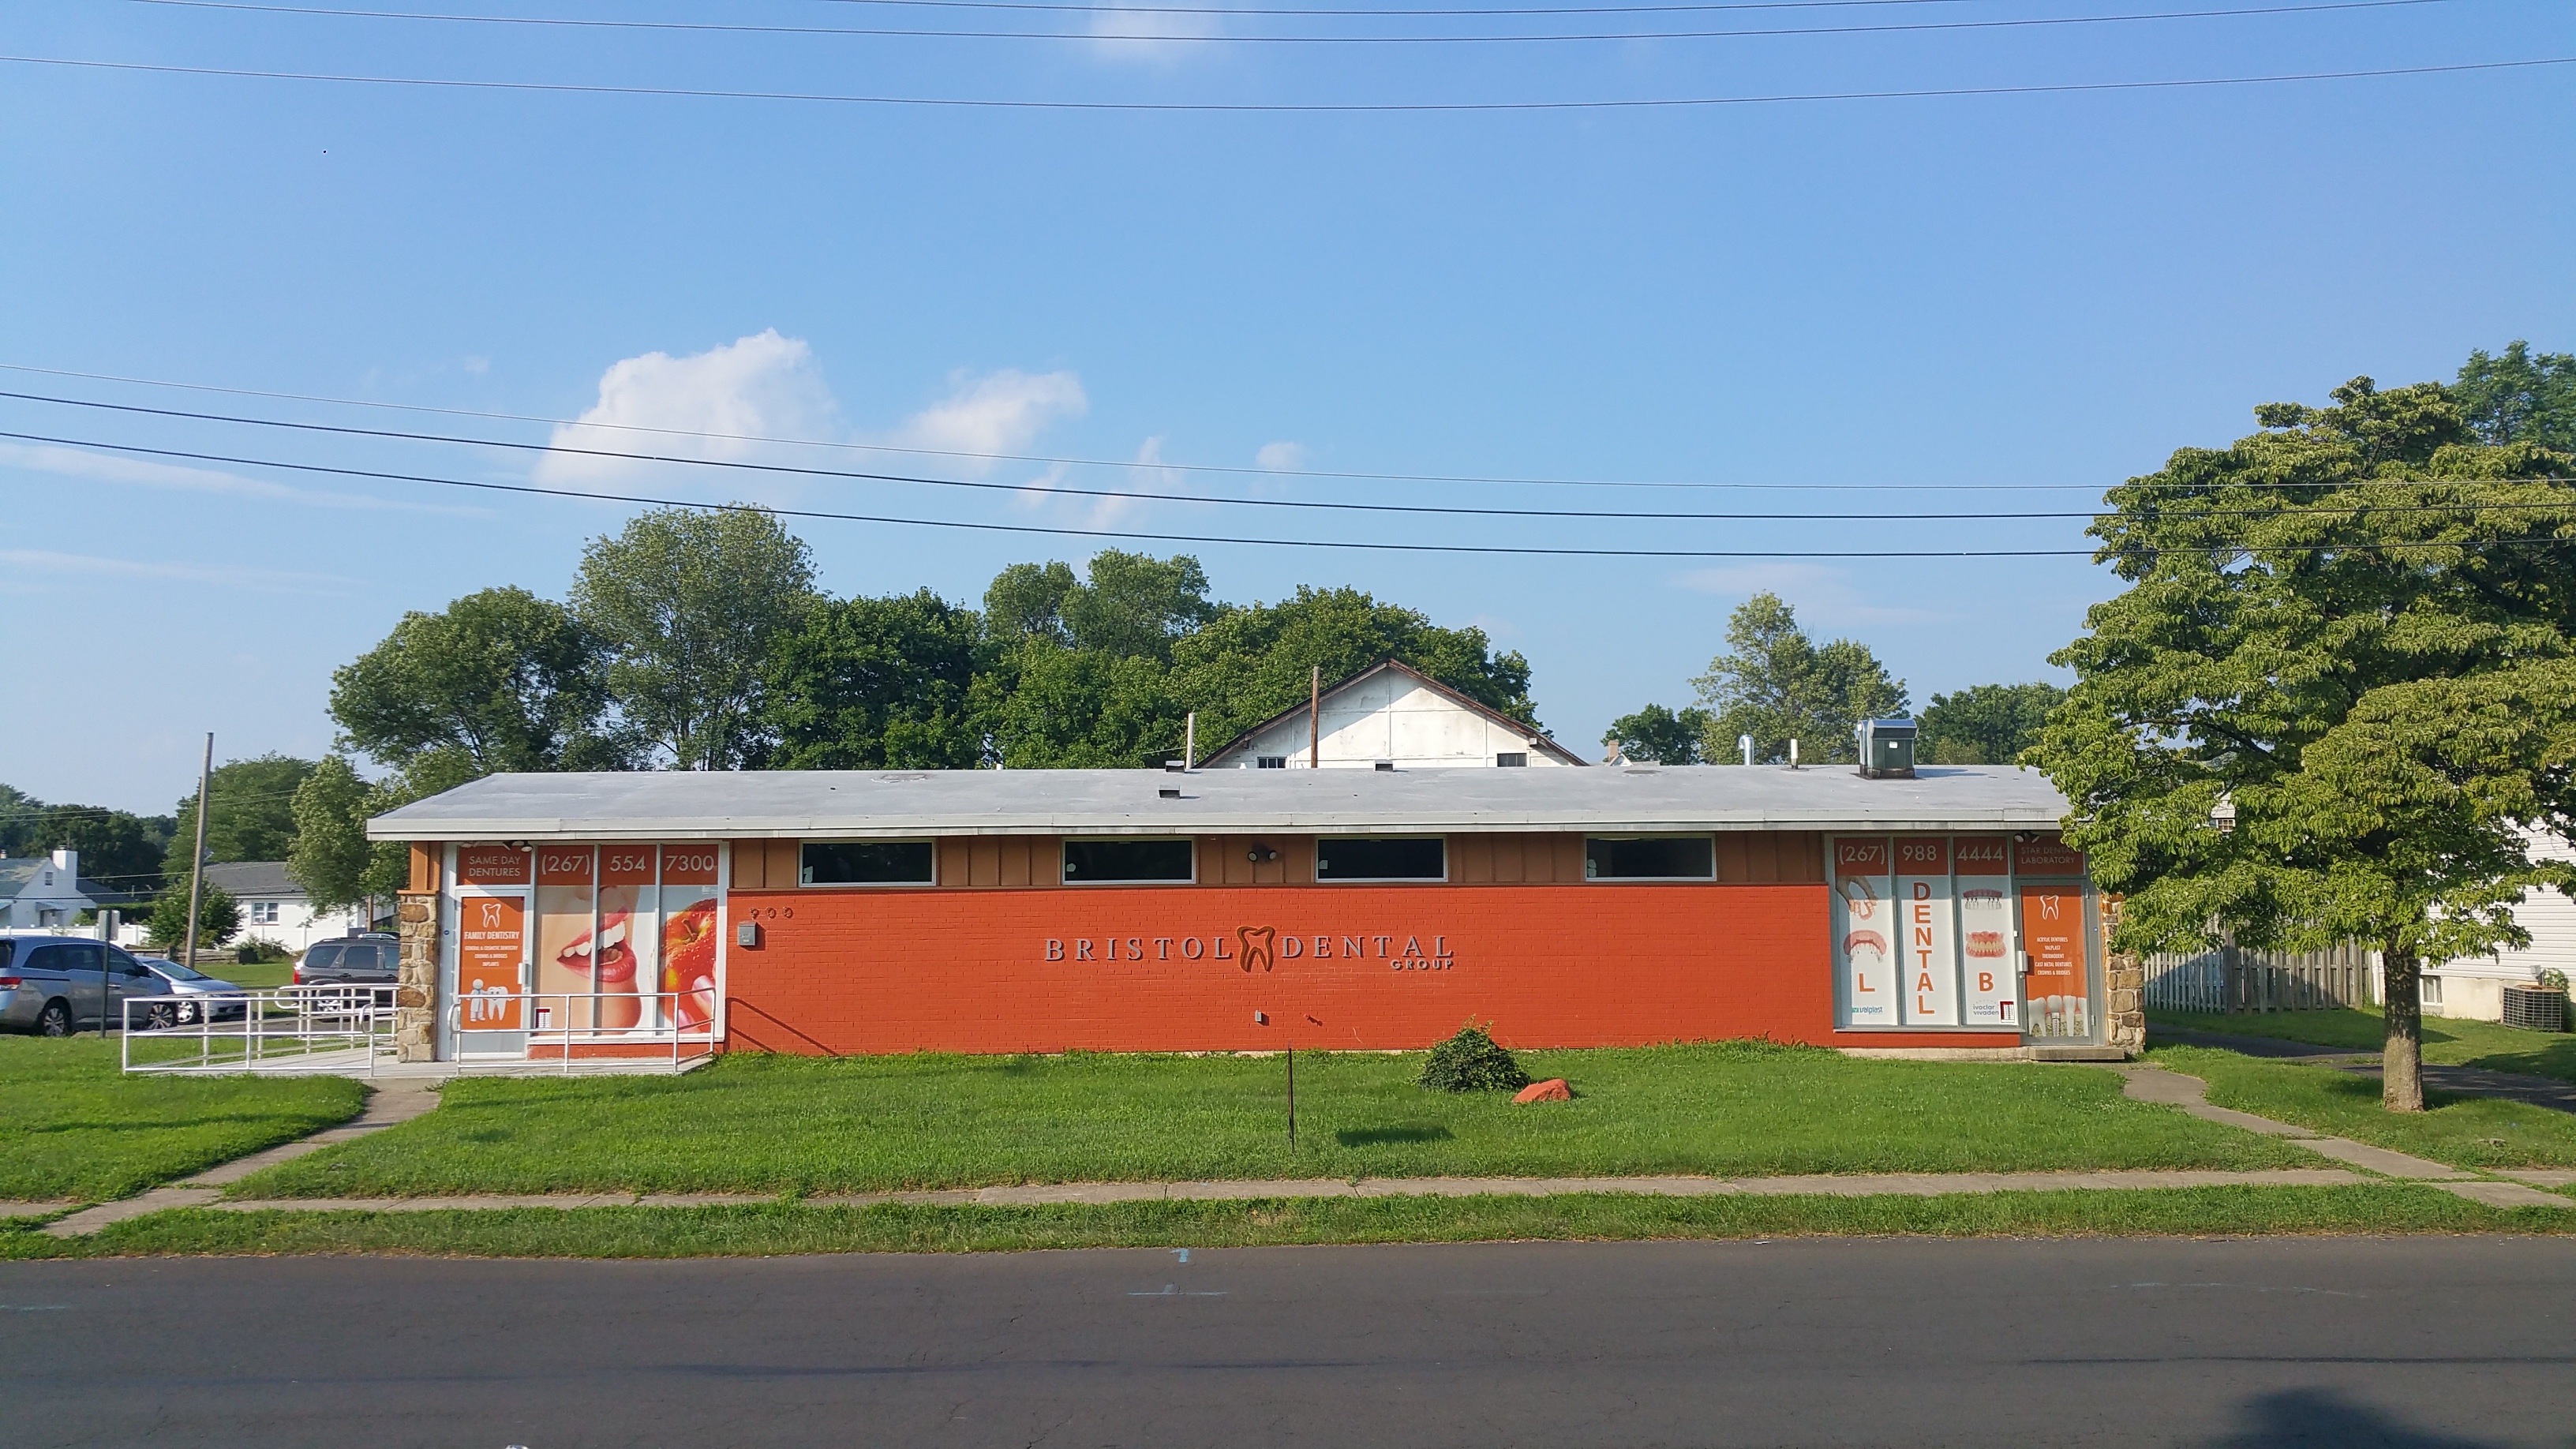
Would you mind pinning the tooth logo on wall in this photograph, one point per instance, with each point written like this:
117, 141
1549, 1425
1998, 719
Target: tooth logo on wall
1257, 942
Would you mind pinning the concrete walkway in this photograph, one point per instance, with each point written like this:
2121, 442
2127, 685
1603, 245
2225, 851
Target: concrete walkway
388, 1103
2173, 1089
400, 1101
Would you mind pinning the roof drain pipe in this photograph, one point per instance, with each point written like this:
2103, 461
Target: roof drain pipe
1793, 754
1745, 743
1190, 742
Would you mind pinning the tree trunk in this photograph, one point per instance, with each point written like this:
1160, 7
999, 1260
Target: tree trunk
2401, 1074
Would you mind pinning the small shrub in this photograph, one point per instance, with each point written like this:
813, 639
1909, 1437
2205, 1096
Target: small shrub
2554, 979
1471, 1062
252, 951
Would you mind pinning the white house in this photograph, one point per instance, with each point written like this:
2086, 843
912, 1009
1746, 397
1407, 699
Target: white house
39, 892
275, 909
2473, 987
1390, 715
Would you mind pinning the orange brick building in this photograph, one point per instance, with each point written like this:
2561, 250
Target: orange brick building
1005, 911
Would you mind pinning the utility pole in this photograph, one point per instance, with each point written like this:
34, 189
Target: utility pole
1314, 721
197, 863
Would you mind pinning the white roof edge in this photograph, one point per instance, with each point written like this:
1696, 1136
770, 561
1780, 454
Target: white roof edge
383, 828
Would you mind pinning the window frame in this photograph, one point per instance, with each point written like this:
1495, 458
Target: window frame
1707, 838
1324, 841
1270, 762
932, 880
1065, 877
1511, 759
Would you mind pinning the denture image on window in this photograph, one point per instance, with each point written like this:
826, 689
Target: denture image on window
1865, 941
1982, 900
1985, 943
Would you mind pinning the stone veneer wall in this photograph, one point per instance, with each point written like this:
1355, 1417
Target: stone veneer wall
2124, 976
416, 988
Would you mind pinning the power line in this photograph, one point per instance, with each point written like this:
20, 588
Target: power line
1093, 9
1372, 546
1131, 495
1254, 472
1220, 468
1269, 108
887, 32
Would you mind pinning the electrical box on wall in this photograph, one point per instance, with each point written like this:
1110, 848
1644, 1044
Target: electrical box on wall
747, 934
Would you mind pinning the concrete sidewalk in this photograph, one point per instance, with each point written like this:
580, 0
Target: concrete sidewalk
392, 1103
388, 1104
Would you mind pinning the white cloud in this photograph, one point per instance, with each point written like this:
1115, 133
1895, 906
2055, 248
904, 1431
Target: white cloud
144, 472
272, 581
1000, 412
1121, 33
1821, 595
761, 386
1280, 457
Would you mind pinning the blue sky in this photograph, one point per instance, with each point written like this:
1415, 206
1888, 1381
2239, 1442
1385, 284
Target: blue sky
1939, 293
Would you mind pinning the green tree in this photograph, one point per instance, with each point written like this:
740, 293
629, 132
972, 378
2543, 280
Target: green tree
2520, 397
689, 604
1026, 601
1049, 707
218, 916
869, 684
251, 815
21, 816
1248, 664
511, 679
121, 850
1776, 685
1659, 736
1985, 724
2337, 691
333, 859
1134, 604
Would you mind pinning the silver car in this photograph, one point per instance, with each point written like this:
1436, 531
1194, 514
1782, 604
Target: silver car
52, 985
199, 996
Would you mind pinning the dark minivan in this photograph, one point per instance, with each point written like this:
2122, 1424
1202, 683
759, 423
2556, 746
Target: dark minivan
350, 961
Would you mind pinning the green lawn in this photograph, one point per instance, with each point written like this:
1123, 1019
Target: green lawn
265, 976
73, 1127
2446, 1043
2462, 1131
793, 1228
788, 1124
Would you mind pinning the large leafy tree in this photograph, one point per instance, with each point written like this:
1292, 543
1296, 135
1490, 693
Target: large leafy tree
1985, 724
251, 815
1777, 685
1046, 706
689, 604
332, 858
2521, 397
116, 847
1660, 736
869, 684
1250, 663
512, 680
2337, 695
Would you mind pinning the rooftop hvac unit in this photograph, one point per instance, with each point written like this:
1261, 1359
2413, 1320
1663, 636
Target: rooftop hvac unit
1887, 749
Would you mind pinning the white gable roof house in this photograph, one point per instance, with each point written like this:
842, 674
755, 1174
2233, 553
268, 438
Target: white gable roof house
275, 909
41, 892
1394, 717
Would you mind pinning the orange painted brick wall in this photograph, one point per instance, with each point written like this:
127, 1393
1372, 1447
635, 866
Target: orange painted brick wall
1371, 967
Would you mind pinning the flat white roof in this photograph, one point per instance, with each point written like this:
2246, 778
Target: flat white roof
685, 805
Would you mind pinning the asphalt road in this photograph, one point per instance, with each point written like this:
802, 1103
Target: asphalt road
2343, 1342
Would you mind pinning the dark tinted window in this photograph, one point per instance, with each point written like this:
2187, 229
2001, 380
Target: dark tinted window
866, 862
1664, 857
125, 965
1367, 858
79, 956
381, 956
1126, 860
323, 957
8, 949
46, 958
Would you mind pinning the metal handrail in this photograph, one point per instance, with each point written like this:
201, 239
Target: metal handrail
561, 1033
287, 1021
